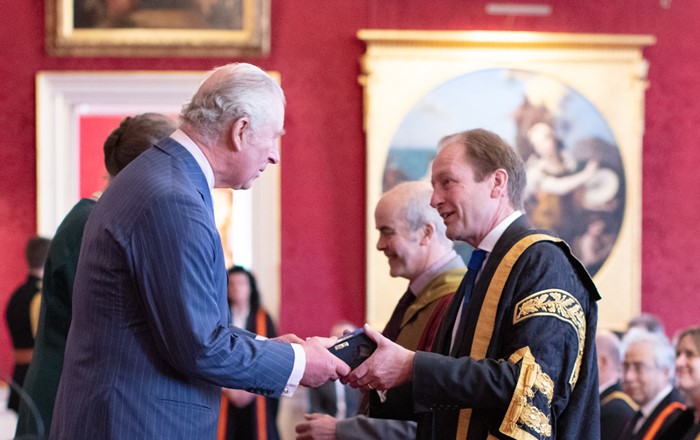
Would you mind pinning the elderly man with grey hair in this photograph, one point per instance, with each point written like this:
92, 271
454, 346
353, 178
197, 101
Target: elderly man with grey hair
151, 344
648, 370
412, 236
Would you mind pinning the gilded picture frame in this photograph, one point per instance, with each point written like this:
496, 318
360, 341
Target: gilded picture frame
158, 28
587, 88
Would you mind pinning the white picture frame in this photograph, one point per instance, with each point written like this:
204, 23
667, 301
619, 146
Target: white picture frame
63, 97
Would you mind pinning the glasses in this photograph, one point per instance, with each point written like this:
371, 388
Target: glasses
637, 367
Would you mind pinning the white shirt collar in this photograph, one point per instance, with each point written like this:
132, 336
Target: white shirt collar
606, 385
195, 151
421, 282
653, 403
489, 242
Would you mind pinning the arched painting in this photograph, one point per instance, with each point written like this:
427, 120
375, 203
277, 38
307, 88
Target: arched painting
571, 104
576, 179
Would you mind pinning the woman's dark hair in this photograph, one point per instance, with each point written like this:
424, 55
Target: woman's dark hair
254, 294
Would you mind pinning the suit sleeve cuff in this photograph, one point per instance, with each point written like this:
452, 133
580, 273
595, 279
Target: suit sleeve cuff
297, 371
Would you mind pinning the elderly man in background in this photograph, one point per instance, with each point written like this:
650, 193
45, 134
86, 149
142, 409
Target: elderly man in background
617, 409
648, 370
412, 236
150, 345
515, 354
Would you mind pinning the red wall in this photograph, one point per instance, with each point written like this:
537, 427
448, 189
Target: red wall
314, 47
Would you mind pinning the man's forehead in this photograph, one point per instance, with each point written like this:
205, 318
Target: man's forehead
451, 154
640, 350
388, 220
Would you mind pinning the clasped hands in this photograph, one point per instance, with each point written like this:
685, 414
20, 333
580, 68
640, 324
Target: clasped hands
389, 366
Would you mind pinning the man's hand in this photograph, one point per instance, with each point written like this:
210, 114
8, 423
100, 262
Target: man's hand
239, 398
317, 427
389, 366
321, 365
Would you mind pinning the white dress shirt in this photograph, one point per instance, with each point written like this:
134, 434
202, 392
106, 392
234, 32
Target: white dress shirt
487, 244
299, 354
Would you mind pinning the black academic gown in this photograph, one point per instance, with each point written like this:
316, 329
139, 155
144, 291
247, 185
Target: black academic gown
675, 420
538, 375
617, 414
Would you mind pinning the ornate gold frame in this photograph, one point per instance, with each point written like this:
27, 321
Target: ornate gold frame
252, 39
400, 67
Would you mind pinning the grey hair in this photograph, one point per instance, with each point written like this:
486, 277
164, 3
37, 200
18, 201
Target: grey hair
416, 209
664, 353
229, 93
608, 344
651, 323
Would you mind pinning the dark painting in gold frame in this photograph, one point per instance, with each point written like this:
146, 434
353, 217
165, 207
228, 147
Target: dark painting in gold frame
158, 28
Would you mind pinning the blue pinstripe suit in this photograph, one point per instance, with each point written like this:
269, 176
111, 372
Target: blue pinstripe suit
150, 344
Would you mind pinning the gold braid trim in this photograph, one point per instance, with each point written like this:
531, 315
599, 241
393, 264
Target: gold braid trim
561, 305
619, 395
536, 419
521, 411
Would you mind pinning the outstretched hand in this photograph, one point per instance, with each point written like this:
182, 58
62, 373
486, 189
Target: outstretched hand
321, 365
389, 366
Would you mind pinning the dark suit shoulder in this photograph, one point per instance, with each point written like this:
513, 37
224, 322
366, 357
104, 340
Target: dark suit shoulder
620, 401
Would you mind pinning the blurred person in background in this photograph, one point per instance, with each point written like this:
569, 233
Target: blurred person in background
648, 322
18, 314
648, 370
688, 382
243, 415
617, 409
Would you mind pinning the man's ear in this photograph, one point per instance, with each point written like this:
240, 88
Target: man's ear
500, 183
428, 231
239, 129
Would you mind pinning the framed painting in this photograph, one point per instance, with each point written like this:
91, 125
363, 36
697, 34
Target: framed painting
158, 28
572, 105
75, 113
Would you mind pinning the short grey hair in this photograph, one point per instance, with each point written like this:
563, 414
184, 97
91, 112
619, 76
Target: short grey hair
664, 353
416, 209
229, 93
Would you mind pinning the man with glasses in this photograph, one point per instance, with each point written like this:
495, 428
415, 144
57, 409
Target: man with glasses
647, 378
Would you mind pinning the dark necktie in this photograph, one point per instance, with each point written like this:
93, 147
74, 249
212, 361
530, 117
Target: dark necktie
393, 327
636, 420
475, 262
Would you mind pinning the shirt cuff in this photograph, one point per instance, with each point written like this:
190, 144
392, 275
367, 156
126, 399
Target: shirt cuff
297, 371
